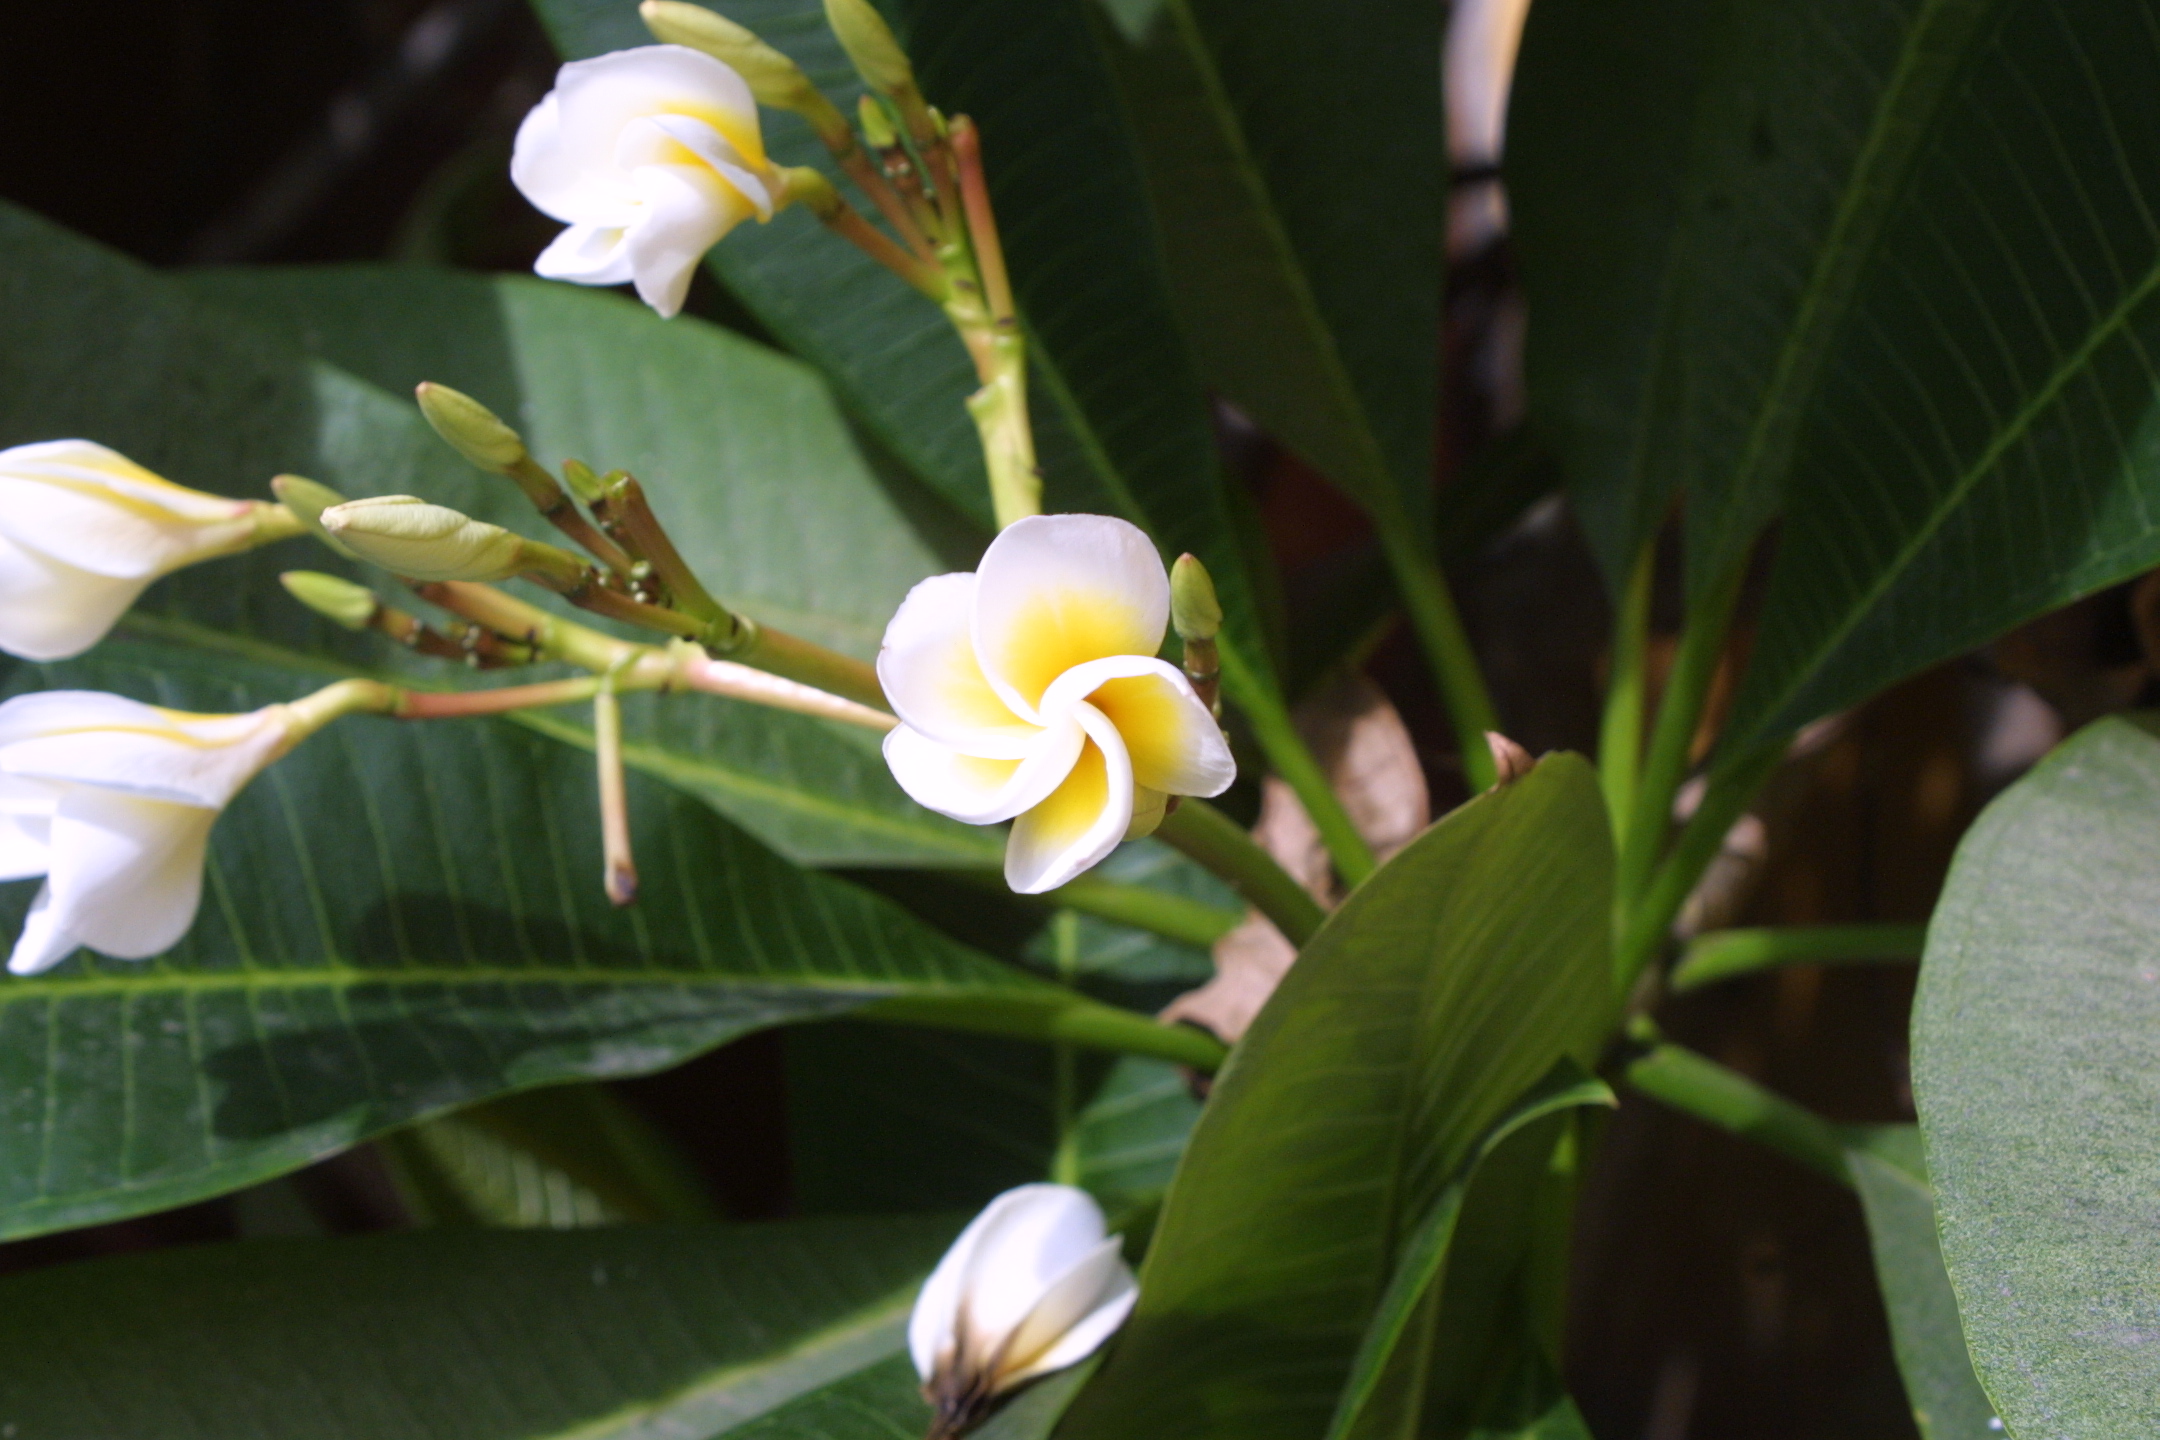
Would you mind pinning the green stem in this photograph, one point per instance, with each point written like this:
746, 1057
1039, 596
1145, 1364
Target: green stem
1620, 733
1723, 954
1065, 1161
1051, 1016
1293, 760
1679, 715
1174, 917
1216, 841
1699, 1086
797, 659
1431, 607
1644, 923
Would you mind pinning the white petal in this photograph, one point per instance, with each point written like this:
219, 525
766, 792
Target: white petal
85, 738
50, 610
1075, 1315
1173, 742
42, 944
1056, 591
1081, 821
565, 160
686, 209
999, 1268
97, 510
126, 872
679, 133
586, 255
976, 791
927, 666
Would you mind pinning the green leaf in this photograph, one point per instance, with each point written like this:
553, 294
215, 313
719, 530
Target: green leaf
1888, 268
738, 448
1425, 1254
1450, 982
1946, 1398
558, 1158
399, 918
1122, 422
2039, 1089
1302, 230
792, 1329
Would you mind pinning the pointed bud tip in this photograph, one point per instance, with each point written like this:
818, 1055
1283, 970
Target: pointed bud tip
774, 80
335, 599
1195, 610
469, 427
1509, 759
869, 42
877, 126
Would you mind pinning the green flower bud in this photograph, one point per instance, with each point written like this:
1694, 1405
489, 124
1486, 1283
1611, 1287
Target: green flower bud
341, 601
307, 501
877, 126
774, 79
1194, 611
869, 42
410, 537
472, 429
805, 187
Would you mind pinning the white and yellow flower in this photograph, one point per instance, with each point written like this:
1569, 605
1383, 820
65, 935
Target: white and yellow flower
1029, 691
649, 156
112, 802
84, 529
1031, 1286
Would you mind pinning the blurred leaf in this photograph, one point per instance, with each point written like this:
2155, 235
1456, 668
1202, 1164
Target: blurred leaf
400, 918
557, 1158
1444, 987
631, 1333
1294, 150
1123, 425
746, 458
2038, 1087
1946, 1398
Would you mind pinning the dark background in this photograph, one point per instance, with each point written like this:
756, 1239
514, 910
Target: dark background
1722, 1293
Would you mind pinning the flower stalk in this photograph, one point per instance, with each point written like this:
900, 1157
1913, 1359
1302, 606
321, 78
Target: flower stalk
618, 866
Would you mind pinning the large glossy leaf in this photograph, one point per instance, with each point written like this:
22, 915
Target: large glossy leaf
1890, 267
1946, 1398
633, 1333
2039, 1089
1123, 422
398, 919
1310, 287
748, 461
1449, 983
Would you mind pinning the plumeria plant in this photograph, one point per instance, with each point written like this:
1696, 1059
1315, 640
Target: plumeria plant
907, 677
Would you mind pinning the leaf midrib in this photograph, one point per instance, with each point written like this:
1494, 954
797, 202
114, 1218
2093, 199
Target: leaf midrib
1951, 499
1383, 500
345, 977
1827, 298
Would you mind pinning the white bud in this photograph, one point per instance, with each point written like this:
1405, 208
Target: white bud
1031, 1286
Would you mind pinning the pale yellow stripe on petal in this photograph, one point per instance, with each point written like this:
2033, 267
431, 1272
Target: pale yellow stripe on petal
1175, 744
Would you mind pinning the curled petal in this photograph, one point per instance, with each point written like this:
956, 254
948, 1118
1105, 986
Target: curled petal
26, 811
686, 209
586, 255
1082, 820
96, 510
928, 668
50, 610
1056, 591
126, 878
1080, 1310
680, 133
86, 738
978, 791
1174, 743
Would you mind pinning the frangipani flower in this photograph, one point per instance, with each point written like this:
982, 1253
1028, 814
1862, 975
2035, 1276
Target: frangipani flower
1031, 1286
1029, 691
112, 802
649, 156
84, 529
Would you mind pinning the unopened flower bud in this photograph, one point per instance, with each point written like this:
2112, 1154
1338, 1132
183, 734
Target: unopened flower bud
800, 185
1510, 761
869, 42
336, 600
877, 126
407, 535
1194, 611
307, 501
774, 79
471, 429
